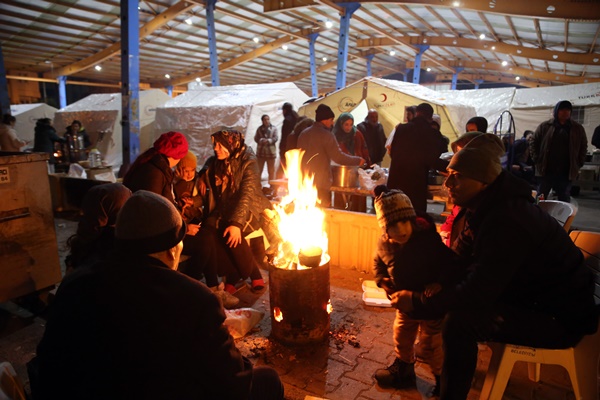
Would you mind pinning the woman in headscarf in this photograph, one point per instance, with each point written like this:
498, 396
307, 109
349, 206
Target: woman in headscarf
234, 203
351, 142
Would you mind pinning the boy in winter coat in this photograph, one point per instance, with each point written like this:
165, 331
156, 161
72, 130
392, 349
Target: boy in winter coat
410, 253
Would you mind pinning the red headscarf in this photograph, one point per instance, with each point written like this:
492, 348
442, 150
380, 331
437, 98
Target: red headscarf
172, 144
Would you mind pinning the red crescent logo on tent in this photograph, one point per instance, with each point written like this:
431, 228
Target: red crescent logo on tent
384, 97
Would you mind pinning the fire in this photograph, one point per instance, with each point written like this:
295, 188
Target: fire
329, 307
277, 314
301, 222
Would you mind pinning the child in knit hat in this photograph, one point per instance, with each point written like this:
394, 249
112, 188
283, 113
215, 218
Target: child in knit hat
410, 254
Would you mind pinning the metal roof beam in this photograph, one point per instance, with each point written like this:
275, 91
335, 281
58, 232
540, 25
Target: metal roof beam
488, 78
562, 9
161, 19
485, 45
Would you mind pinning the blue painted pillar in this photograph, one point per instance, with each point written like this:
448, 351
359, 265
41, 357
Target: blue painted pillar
130, 78
62, 91
4, 98
478, 82
212, 41
340, 80
455, 77
369, 60
313, 65
406, 75
170, 90
417, 70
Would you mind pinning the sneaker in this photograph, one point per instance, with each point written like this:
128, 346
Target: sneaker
229, 300
258, 285
400, 375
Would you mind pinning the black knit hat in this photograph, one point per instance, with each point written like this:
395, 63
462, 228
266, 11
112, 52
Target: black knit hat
324, 112
148, 223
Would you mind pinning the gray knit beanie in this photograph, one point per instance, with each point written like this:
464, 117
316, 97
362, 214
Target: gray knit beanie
392, 206
480, 158
148, 223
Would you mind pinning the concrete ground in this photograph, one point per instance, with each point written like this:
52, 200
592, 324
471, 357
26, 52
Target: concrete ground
340, 368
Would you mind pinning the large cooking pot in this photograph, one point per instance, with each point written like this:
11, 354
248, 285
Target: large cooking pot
345, 176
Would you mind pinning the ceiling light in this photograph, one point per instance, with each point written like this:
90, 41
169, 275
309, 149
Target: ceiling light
555, 56
328, 24
425, 40
324, 58
255, 39
482, 36
519, 51
98, 68
454, 41
167, 76
517, 78
550, 9
188, 21
392, 53
285, 47
456, 4
504, 63
50, 62
428, 69
198, 79
493, 47
594, 60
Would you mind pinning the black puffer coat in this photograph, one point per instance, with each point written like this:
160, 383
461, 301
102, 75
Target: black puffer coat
519, 256
242, 202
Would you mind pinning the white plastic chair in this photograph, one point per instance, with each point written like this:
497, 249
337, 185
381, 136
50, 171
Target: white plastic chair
581, 361
563, 212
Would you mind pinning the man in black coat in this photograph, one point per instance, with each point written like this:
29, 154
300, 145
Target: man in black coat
134, 328
526, 283
372, 130
415, 150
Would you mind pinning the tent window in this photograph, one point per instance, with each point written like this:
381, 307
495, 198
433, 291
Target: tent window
578, 114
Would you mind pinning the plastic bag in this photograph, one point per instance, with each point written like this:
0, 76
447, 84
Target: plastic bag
241, 320
370, 178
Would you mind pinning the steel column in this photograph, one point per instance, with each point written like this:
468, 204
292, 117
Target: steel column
212, 41
170, 90
130, 78
4, 98
455, 77
369, 60
313, 65
350, 8
478, 82
62, 91
417, 68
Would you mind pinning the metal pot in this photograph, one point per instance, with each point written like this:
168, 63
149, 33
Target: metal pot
345, 176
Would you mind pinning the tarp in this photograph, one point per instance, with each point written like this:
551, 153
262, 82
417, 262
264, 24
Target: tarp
488, 103
390, 98
101, 116
27, 116
199, 113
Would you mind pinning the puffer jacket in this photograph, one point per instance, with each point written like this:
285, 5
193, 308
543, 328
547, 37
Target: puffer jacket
242, 202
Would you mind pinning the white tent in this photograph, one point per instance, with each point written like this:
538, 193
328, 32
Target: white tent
390, 98
27, 116
532, 106
201, 112
101, 116
488, 103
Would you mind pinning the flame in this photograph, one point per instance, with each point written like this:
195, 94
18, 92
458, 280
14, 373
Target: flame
301, 222
277, 314
329, 307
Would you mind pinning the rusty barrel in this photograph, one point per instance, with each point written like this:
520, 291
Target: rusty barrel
300, 304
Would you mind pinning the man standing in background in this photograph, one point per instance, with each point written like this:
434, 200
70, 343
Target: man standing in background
373, 133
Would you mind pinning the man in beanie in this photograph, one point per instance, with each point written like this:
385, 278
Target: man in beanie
153, 169
134, 328
410, 256
415, 149
558, 148
526, 282
372, 130
321, 147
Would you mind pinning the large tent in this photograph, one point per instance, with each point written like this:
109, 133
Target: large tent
199, 113
101, 116
390, 98
532, 106
27, 116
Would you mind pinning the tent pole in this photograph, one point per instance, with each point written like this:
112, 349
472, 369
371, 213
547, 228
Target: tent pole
350, 8
130, 76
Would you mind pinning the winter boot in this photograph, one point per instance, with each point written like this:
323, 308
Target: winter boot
400, 375
228, 300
